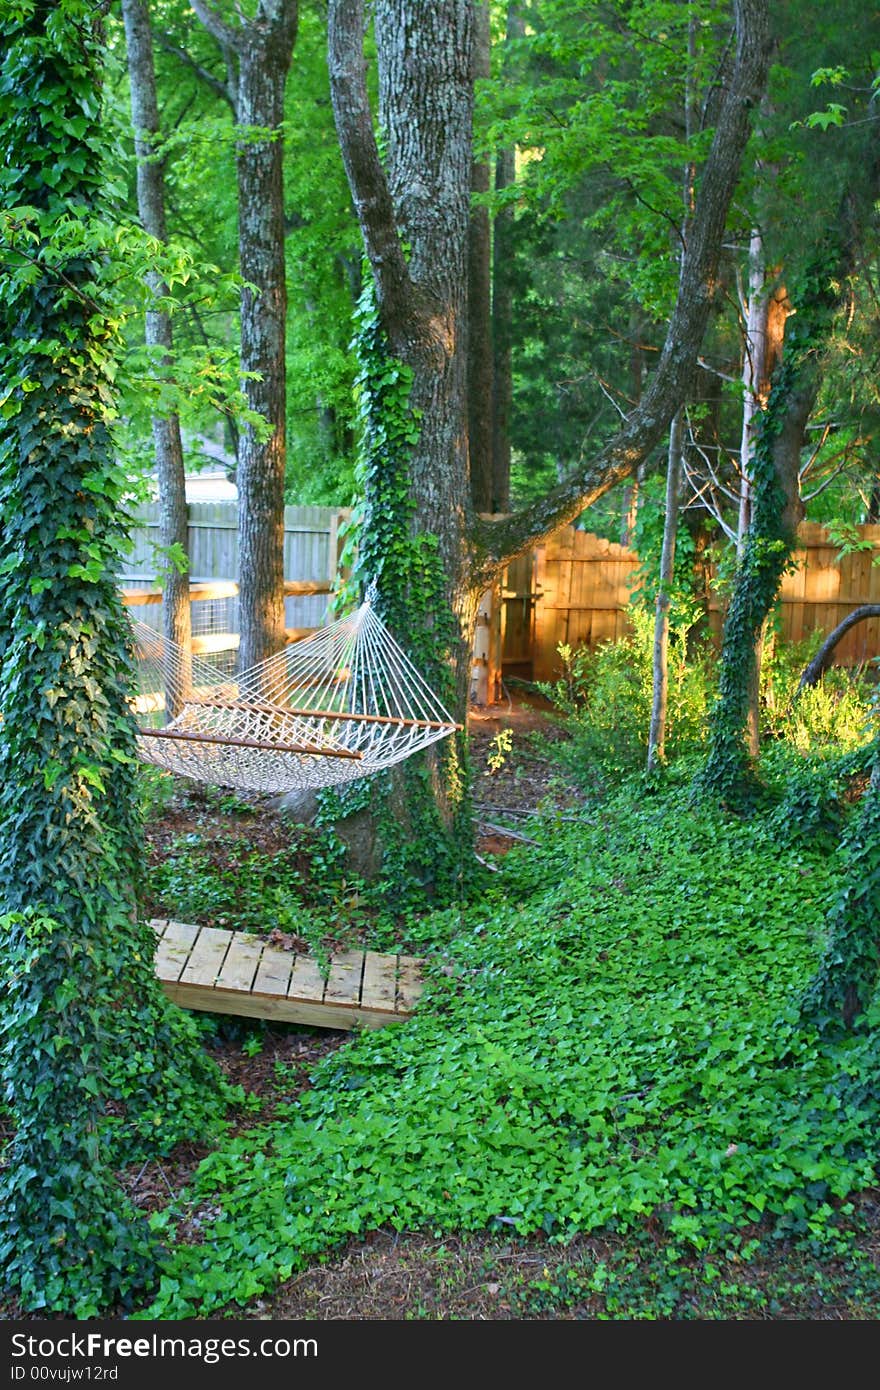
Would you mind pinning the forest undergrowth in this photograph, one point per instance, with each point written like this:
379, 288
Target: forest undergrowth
606, 1106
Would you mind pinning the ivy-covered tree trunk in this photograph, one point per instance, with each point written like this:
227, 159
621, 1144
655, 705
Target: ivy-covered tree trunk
83, 1020
173, 521
776, 509
846, 980
258, 55
415, 458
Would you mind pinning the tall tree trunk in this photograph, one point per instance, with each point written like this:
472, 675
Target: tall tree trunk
480, 363
502, 305
425, 110
657, 730
261, 462
632, 491
660, 694
173, 530
259, 53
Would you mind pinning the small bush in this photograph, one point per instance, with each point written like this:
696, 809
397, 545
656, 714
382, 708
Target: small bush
606, 694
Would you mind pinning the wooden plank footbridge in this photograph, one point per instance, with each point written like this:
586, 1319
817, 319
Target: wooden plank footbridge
233, 972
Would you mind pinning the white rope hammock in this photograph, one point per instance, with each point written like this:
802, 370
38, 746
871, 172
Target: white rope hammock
341, 704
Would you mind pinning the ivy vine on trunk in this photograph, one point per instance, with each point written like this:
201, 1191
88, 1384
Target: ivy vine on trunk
776, 509
97, 1066
414, 821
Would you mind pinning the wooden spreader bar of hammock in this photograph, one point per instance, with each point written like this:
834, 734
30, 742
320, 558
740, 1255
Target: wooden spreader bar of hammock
267, 708
251, 743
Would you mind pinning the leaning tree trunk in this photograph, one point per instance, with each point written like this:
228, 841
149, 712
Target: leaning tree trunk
259, 54
173, 529
814, 670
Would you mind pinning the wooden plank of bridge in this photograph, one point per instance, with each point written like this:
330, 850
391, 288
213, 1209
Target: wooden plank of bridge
174, 948
238, 973
379, 984
240, 963
273, 972
306, 980
344, 981
207, 956
409, 984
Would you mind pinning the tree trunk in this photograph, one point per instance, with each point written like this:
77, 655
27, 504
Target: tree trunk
259, 53
766, 313
502, 307
496, 542
173, 529
480, 364
261, 462
632, 491
657, 731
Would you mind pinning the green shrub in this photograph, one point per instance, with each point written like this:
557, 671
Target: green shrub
835, 713
605, 696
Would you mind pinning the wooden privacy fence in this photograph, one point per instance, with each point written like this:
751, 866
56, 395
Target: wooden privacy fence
312, 545
575, 589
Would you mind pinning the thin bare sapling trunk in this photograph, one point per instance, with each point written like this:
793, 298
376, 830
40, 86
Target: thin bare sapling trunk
657, 731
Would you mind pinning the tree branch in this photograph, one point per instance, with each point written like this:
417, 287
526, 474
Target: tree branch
496, 542
226, 36
812, 673
363, 165
216, 84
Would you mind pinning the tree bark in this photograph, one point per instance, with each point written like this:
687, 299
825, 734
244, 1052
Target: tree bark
425, 110
258, 55
502, 304
173, 529
766, 313
480, 357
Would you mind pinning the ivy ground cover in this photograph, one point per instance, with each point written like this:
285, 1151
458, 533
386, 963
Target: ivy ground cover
612, 1037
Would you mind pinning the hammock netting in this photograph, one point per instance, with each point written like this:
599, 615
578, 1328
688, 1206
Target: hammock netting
339, 705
